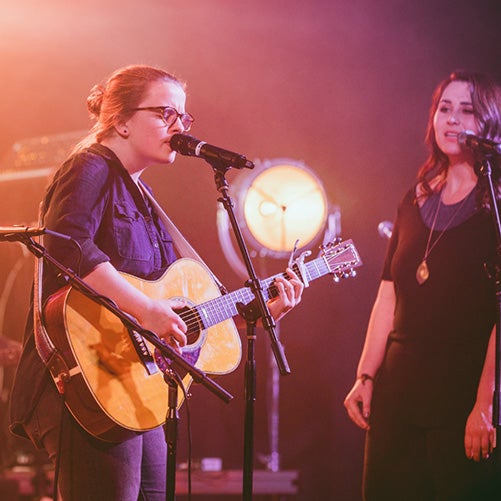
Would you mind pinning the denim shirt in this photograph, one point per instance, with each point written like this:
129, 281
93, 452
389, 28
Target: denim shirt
93, 199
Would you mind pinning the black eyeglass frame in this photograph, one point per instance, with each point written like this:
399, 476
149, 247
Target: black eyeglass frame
162, 110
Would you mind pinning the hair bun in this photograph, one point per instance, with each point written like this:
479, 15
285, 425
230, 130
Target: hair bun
95, 100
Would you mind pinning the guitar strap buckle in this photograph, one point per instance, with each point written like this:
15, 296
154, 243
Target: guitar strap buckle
59, 371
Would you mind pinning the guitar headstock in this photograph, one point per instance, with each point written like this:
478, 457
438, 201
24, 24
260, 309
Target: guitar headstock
341, 259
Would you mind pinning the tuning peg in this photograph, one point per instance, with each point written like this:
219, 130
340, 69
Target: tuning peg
331, 244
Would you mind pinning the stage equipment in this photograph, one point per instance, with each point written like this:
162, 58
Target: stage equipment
37, 157
279, 202
25, 170
385, 229
479, 144
193, 147
282, 209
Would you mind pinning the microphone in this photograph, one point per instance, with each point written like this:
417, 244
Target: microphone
480, 144
385, 229
13, 233
193, 147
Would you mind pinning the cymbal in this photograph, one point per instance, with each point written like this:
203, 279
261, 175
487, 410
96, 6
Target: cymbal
10, 351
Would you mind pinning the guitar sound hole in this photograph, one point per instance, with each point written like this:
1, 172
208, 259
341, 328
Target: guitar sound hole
194, 324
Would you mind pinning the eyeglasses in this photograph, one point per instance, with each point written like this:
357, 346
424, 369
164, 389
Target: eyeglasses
170, 115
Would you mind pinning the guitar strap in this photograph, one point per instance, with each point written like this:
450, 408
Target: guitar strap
49, 354
182, 245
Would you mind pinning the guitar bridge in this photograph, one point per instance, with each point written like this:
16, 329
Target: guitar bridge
143, 352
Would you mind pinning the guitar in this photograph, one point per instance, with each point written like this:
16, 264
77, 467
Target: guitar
116, 390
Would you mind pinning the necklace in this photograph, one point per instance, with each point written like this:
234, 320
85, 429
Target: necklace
423, 272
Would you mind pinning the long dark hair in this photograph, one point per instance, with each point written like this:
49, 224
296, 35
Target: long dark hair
486, 101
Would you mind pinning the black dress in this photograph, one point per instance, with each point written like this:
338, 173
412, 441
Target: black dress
426, 386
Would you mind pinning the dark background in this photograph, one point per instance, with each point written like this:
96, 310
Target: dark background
343, 86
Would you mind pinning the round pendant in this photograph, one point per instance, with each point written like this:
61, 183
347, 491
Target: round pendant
422, 273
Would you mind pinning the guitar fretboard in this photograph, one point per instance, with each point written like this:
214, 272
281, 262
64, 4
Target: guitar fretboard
223, 307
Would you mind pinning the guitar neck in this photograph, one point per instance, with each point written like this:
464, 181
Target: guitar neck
223, 307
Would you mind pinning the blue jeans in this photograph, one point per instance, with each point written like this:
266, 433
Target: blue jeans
91, 469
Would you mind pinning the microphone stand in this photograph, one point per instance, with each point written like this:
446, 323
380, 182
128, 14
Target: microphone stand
171, 434
198, 376
485, 169
251, 312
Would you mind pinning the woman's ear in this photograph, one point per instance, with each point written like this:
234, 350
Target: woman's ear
122, 129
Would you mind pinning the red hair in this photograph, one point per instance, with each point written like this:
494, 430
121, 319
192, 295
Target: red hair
114, 99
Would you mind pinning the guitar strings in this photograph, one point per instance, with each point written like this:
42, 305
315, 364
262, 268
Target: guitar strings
214, 309
218, 307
